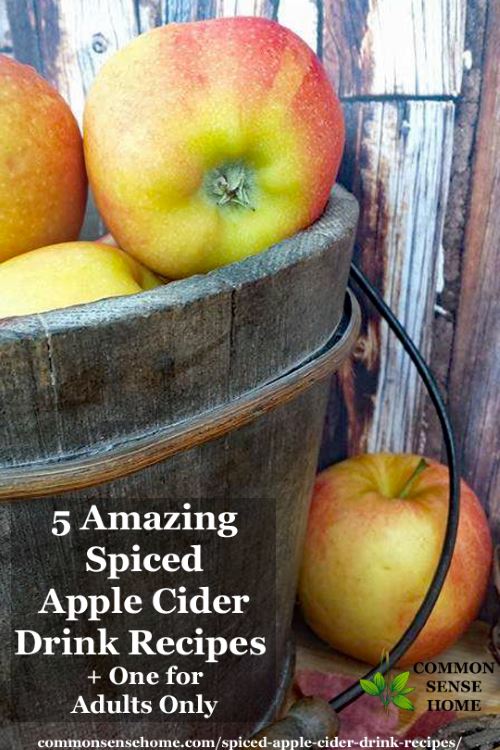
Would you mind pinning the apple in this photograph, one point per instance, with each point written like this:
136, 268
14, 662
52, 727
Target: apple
207, 142
68, 274
43, 185
375, 532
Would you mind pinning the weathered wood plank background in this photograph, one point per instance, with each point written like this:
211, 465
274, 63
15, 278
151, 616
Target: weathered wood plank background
419, 83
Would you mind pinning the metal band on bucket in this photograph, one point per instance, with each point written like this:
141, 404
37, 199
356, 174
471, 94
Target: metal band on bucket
40, 480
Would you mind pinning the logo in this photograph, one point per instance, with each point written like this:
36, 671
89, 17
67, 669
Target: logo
394, 691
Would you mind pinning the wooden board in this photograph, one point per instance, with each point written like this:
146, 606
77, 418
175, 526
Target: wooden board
475, 370
316, 655
69, 42
397, 162
5, 38
245, 8
153, 13
466, 116
394, 47
304, 18
362, 53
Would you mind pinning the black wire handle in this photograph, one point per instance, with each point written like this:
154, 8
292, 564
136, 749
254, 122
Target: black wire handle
345, 698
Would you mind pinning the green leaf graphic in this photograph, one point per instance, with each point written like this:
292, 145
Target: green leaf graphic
379, 682
369, 687
399, 682
401, 702
405, 691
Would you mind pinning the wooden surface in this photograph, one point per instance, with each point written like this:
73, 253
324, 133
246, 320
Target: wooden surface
388, 48
413, 77
5, 36
457, 211
103, 374
284, 444
475, 365
397, 163
398, 68
473, 646
139, 452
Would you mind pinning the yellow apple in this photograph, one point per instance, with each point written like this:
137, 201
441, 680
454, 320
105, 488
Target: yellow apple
375, 533
70, 273
43, 185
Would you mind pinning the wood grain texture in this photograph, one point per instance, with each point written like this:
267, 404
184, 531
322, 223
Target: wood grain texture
480, 732
475, 371
495, 630
394, 47
302, 17
178, 350
284, 445
152, 13
173, 352
130, 456
264, 8
5, 35
398, 163
69, 41
457, 211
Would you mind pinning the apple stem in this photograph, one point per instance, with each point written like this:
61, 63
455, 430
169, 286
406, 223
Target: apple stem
405, 491
231, 184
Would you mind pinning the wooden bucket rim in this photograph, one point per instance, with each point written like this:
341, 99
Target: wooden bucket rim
36, 480
177, 294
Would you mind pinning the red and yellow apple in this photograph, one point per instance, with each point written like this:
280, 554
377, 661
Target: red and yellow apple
43, 185
207, 142
374, 538
68, 274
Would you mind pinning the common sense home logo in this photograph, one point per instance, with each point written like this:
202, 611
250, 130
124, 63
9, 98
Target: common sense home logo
389, 691
475, 679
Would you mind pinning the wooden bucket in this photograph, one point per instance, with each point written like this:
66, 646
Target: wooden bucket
211, 389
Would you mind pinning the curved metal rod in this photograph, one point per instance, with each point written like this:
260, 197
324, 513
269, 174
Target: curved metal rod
110, 463
355, 691
309, 718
